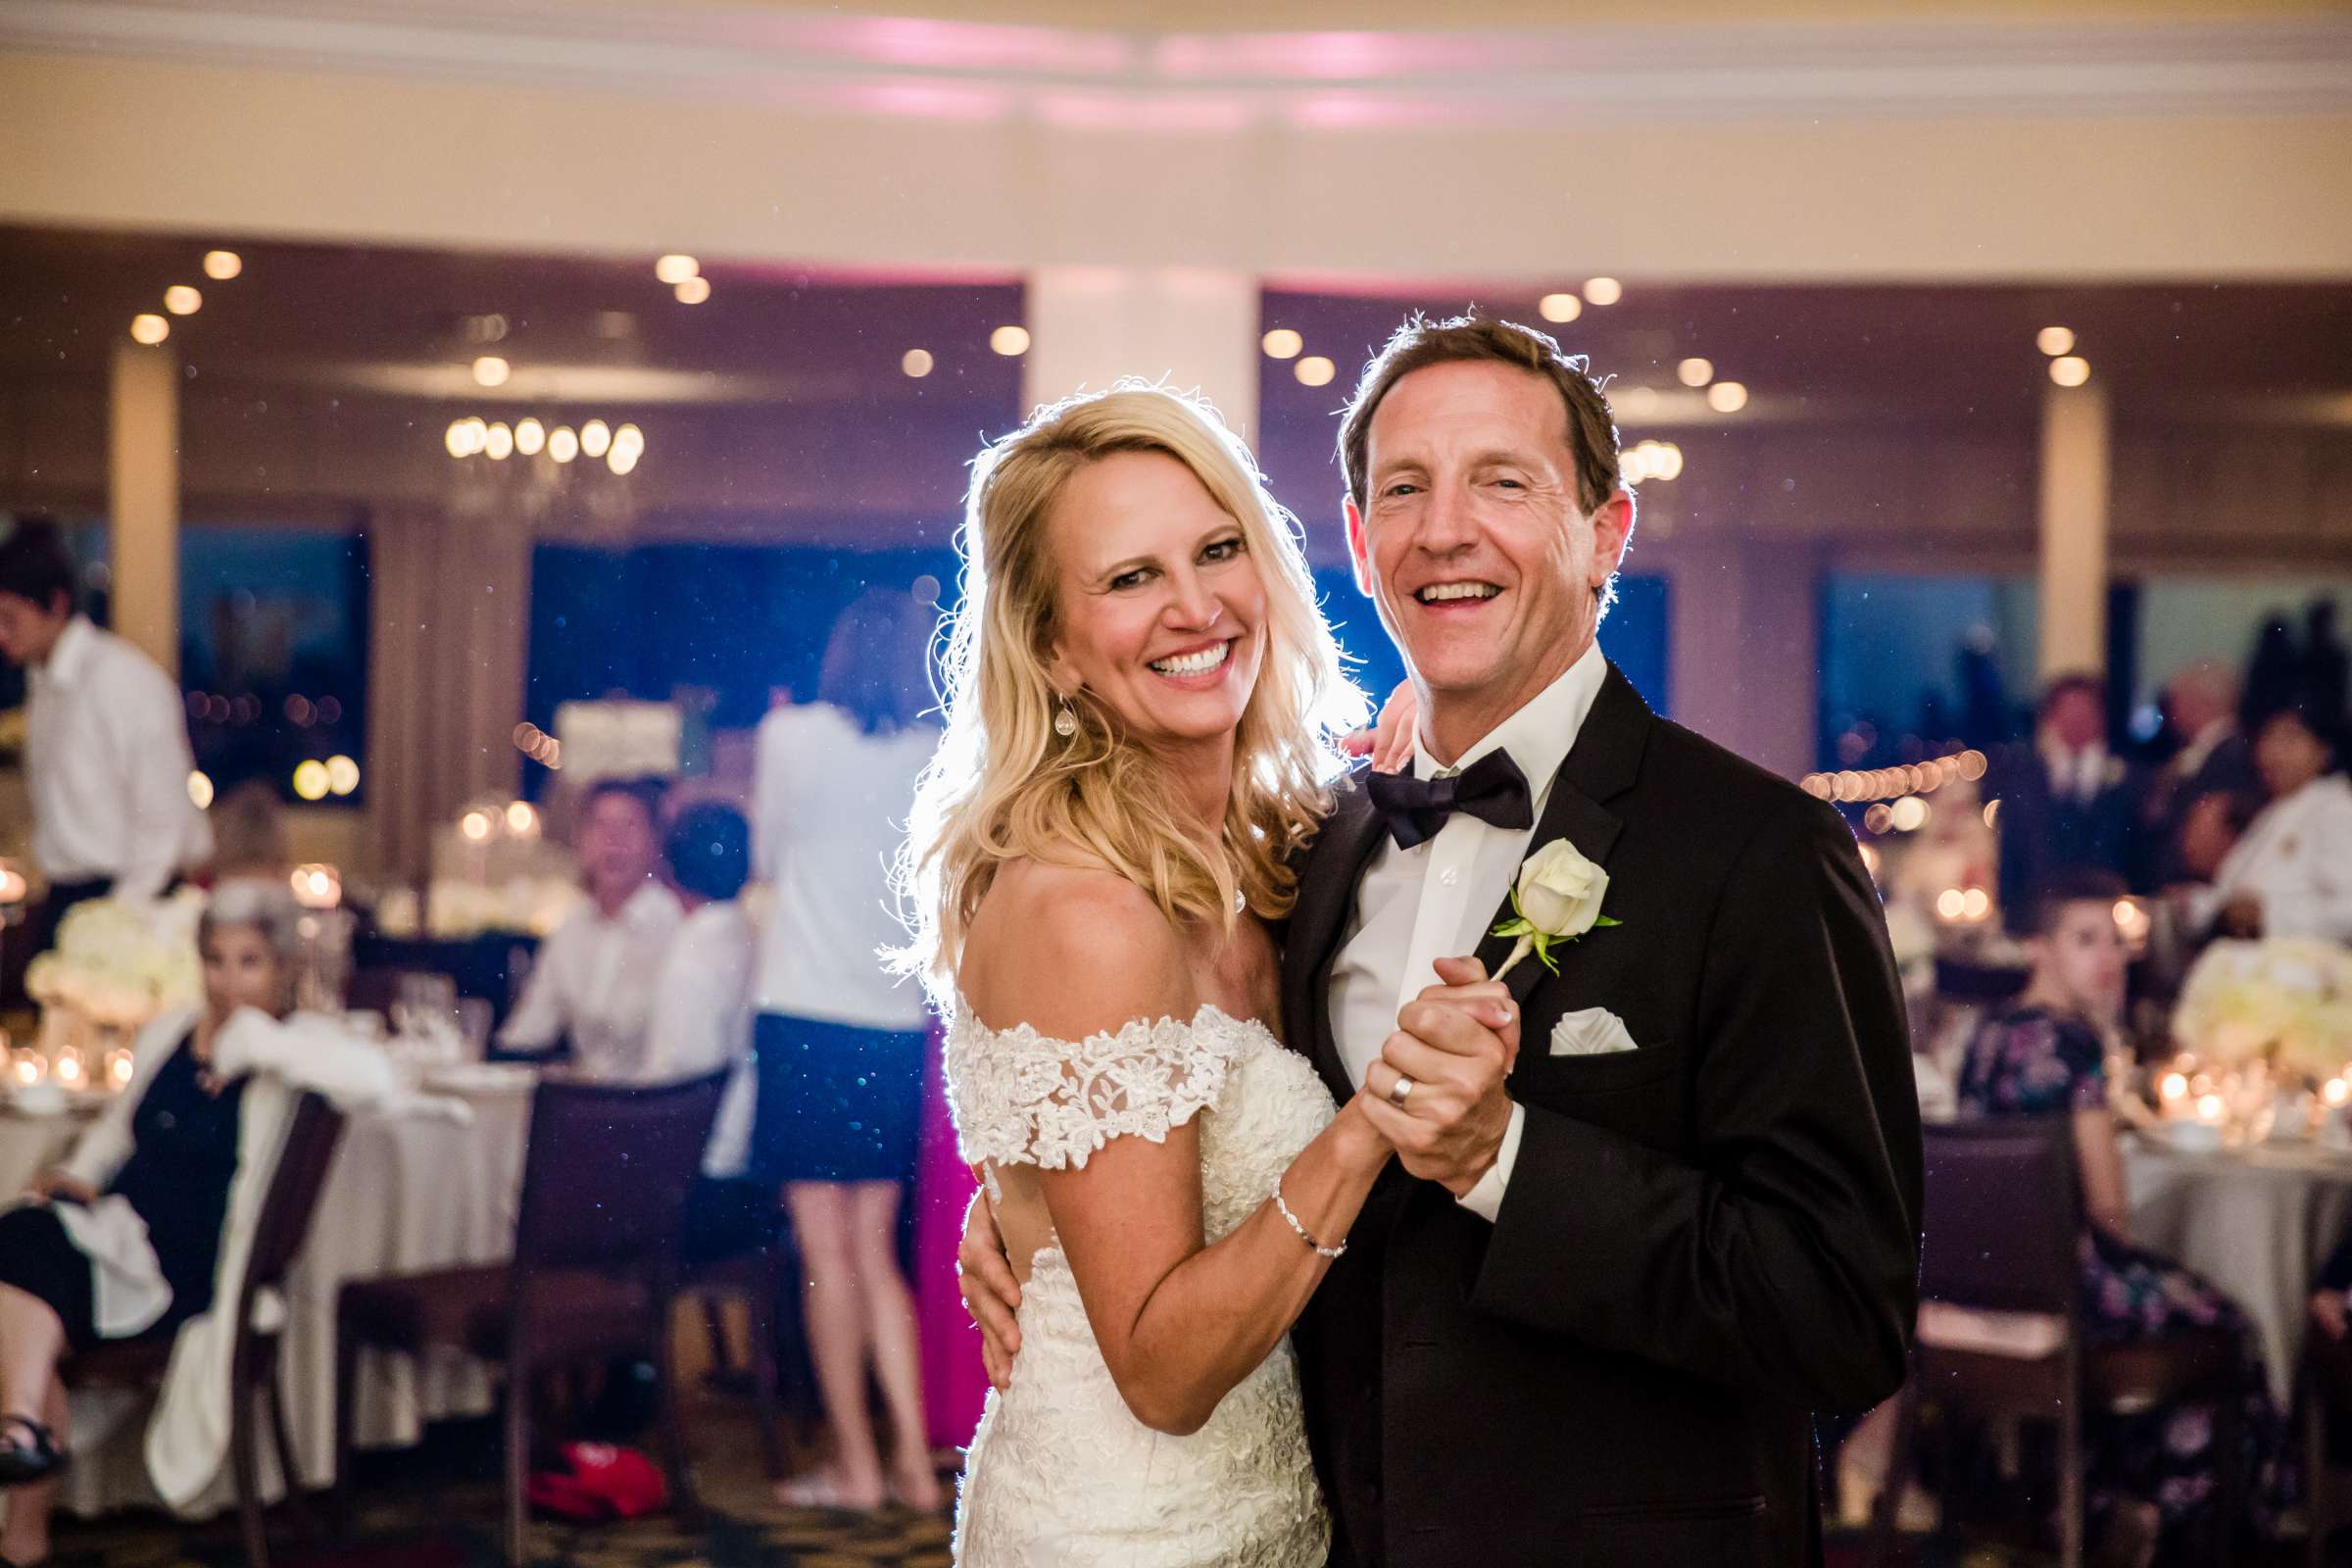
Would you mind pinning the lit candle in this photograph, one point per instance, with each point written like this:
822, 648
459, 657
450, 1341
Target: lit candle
69, 1069
118, 1069
2210, 1108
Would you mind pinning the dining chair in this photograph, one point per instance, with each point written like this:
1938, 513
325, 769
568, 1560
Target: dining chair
305, 1158
2000, 1330
595, 1272
2326, 1400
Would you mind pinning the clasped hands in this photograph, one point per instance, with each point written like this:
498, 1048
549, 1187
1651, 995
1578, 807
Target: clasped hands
1435, 1093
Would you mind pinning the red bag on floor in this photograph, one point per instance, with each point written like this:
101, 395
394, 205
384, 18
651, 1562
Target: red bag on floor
604, 1483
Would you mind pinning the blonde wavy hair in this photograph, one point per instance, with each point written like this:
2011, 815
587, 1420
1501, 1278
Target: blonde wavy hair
1004, 785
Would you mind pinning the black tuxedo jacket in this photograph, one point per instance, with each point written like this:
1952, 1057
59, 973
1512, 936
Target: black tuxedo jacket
1704, 1240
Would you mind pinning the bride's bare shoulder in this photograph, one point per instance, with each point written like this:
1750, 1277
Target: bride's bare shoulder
1073, 951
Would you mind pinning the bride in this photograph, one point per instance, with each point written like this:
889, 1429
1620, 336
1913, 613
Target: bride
1139, 696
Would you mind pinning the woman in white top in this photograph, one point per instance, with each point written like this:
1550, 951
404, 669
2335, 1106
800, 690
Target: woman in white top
2291, 874
840, 1039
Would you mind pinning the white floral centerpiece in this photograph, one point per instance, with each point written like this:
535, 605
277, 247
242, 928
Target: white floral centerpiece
2283, 1001
2261, 1026
117, 963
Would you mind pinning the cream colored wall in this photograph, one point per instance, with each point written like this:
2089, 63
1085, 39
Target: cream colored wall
179, 144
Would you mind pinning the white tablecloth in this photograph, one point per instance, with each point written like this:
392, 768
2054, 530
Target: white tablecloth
2257, 1224
405, 1194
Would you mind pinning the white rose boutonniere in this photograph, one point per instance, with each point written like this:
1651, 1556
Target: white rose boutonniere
1557, 899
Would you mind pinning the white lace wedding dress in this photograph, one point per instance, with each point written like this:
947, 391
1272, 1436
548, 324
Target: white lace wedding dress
1061, 1474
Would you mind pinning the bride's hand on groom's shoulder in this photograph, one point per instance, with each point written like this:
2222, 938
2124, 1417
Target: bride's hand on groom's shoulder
1389, 741
1436, 1091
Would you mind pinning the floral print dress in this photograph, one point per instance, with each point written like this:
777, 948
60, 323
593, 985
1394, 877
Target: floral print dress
2033, 1062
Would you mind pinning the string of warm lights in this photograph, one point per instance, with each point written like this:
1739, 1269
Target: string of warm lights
1851, 787
539, 746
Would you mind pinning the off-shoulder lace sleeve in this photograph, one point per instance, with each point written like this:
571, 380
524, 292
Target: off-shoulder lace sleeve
1026, 1098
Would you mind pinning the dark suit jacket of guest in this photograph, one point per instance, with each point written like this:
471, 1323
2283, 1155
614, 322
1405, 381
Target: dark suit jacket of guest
1704, 1240
2044, 836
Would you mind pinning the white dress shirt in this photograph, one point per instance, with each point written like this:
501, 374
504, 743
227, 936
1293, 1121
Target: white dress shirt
2296, 861
702, 1021
829, 806
594, 980
1439, 898
107, 763
2077, 776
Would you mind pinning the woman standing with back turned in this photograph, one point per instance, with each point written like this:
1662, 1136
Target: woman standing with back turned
840, 1040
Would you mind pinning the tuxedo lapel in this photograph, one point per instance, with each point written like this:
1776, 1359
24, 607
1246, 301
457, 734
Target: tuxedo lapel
1602, 765
1319, 921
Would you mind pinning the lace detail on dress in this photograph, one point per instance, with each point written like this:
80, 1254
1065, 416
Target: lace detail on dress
1061, 1473
1026, 1098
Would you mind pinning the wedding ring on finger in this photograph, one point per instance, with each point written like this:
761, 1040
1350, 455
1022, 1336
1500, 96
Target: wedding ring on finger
1401, 1091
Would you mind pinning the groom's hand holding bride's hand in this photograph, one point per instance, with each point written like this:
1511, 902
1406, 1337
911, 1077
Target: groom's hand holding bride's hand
1454, 1045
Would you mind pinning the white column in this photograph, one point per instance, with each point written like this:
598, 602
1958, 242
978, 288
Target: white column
142, 493
2075, 432
1194, 326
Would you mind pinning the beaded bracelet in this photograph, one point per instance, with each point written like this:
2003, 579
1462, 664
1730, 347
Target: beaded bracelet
1284, 1210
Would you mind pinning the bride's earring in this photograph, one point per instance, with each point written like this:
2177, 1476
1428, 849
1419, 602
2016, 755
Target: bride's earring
1066, 720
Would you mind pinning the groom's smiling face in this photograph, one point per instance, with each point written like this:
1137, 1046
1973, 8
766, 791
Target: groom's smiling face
1472, 541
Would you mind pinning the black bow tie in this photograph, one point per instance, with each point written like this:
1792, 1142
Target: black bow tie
1491, 789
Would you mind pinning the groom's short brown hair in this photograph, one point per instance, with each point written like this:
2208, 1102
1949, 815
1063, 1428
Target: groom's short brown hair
1421, 343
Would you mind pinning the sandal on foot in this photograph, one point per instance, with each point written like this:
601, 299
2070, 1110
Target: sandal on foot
28, 1451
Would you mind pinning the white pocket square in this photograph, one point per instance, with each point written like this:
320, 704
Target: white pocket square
1594, 1032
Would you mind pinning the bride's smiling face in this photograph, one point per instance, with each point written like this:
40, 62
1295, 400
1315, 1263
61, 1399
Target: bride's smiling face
1160, 612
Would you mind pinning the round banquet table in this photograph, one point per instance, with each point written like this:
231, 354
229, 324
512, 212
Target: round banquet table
2258, 1223
405, 1192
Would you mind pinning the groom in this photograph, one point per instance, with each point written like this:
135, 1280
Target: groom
1649, 1220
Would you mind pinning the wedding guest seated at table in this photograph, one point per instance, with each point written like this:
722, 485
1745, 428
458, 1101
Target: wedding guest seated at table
2045, 1054
2291, 874
128, 1237
702, 1021
592, 985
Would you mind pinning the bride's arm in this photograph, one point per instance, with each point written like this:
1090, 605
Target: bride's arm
1179, 1323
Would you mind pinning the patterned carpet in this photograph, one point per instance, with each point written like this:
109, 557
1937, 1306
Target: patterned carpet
438, 1508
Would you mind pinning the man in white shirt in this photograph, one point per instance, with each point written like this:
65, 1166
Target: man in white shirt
592, 984
106, 742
